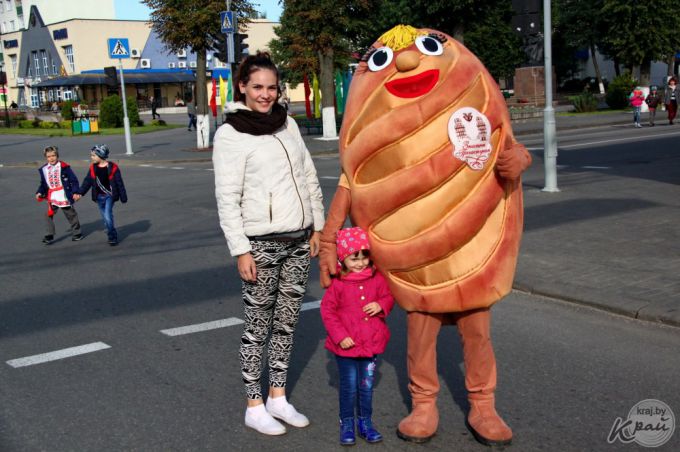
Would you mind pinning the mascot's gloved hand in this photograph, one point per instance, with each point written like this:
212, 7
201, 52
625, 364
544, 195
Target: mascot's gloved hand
512, 161
328, 256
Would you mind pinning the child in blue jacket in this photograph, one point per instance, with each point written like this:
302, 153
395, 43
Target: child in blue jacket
107, 187
58, 184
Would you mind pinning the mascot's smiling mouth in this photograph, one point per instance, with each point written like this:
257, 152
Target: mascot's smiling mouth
414, 86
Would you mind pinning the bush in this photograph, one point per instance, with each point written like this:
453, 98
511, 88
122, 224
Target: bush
65, 125
48, 125
132, 111
36, 123
67, 110
26, 124
158, 122
584, 102
619, 89
111, 112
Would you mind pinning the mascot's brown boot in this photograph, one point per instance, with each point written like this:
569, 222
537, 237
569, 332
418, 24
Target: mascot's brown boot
421, 424
486, 425
480, 378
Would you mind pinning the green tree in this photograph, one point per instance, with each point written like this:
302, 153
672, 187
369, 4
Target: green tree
133, 111
636, 32
580, 25
318, 35
195, 24
111, 111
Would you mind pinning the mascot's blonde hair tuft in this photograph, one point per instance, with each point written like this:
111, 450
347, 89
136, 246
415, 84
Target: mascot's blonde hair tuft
400, 37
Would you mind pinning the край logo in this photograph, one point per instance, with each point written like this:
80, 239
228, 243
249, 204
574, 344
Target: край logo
650, 423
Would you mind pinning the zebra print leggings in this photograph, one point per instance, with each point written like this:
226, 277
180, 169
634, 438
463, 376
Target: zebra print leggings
272, 303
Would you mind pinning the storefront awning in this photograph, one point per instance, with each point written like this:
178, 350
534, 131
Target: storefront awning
132, 77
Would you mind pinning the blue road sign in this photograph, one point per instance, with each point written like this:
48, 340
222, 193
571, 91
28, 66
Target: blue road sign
228, 22
119, 48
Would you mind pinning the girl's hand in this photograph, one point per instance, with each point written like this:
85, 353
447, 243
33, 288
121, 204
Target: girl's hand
346, 343
372, 308
247, 268
314, 244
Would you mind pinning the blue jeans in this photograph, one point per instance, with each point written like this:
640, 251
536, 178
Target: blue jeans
636, 114
356, 375
105, 204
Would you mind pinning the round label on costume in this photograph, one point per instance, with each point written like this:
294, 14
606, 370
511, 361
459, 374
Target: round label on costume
470, 134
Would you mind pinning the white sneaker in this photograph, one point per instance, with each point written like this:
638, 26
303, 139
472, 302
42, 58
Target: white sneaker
259, 419
280, 408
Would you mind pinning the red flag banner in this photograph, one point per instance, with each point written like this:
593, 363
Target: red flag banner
308, 92
213, 100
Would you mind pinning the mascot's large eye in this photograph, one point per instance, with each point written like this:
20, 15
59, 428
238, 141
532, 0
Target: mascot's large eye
380, 59
429, 45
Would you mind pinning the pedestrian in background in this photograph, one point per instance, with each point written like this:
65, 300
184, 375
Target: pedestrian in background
653, 100
636, 98
353, 310
154, 107
191, 112
270, 209
58, 185
107, 187
670, 97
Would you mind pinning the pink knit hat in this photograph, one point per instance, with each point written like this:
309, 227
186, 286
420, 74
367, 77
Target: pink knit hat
351, 240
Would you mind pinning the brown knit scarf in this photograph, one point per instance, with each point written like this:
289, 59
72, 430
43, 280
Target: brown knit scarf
256, 123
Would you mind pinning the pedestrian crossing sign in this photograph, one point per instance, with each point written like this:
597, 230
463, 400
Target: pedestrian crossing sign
228, 22
119, 48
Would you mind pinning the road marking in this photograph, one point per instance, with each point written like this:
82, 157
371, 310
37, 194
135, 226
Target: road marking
176, 167
596, 167
58, 354
160, 167
310, 305
209, 169
145, 165
329, 177
615, 140
199, 327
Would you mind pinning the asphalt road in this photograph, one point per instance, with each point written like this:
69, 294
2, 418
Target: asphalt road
565, 372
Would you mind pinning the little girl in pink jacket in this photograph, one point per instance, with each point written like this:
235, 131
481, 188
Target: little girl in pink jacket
353, 310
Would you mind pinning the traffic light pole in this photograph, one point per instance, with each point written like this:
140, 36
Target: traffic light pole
126, 120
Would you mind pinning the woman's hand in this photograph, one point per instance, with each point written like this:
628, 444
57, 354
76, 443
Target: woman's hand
346, 343
314, 244
247, 268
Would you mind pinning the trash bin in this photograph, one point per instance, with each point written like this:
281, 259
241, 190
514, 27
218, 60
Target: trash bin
85, 124
76, 127
94, 124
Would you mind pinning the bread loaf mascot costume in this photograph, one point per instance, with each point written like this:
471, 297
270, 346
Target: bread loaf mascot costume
431, 170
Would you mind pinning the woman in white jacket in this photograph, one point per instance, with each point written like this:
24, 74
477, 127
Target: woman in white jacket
270, 208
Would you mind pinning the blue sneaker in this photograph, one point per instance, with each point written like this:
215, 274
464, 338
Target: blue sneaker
347, 437
367, 432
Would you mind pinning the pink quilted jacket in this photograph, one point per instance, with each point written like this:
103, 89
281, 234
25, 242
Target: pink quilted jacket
342, 315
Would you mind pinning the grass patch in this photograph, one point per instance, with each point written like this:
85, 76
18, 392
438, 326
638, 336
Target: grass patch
67, 132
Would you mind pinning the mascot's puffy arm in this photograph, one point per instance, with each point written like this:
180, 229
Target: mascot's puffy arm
431, 171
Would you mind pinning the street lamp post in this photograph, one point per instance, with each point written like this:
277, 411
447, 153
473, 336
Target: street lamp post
549, 133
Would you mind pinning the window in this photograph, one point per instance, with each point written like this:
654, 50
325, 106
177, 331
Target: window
68, 50
54, 66
35, 103
46, 69
3, 27
13, 59
50, 95
36, 61
2, 7
21, 22
11, 25
68, 95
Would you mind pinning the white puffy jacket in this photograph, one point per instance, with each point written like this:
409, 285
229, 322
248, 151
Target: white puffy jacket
264, 184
